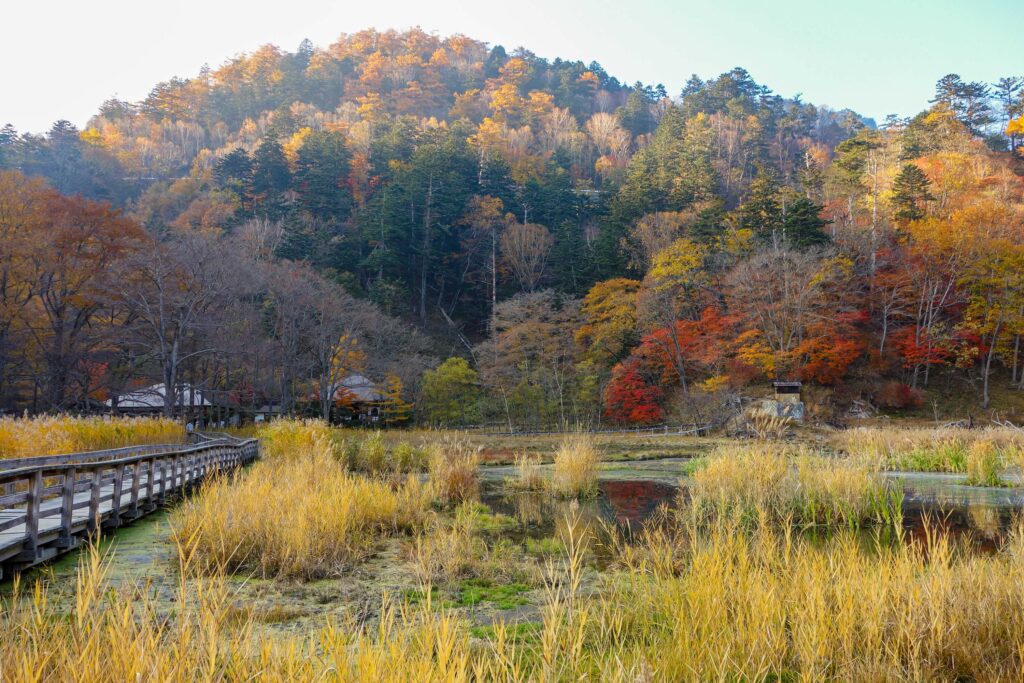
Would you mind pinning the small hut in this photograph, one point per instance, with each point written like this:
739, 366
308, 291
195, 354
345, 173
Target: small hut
787, 401
151, 400
360, 399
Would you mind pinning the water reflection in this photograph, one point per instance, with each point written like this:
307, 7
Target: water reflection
978, 518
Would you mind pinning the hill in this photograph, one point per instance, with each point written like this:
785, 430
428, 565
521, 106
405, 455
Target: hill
592, 247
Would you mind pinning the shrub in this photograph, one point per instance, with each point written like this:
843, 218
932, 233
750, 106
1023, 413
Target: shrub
575, 470
898, 396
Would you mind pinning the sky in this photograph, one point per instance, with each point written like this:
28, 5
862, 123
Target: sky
62, 59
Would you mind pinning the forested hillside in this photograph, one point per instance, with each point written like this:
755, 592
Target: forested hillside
585, 249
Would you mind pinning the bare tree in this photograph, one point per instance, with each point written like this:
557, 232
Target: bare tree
323, 333
526, 247
171, 291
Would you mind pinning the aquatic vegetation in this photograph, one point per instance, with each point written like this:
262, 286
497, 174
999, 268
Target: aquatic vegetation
53, 435
983, 464
458, 548
291, 439
758, 605
529, 475
575, 470
927, 449
806, 488
502, 595
549, 546
722, 587
376, 454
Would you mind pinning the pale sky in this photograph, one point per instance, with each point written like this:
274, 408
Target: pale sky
62, 59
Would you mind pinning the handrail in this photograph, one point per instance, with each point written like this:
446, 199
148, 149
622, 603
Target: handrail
113, 489
22, 472
88, 456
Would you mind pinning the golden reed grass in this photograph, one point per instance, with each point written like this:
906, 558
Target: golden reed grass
942, 449
575, 470
454, 474
56, 435
791, 483
297, 514
695, 598
738, 605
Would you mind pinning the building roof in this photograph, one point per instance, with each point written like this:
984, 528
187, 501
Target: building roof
359, 389
153, 398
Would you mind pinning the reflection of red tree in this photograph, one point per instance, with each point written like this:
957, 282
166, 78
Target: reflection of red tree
632, 502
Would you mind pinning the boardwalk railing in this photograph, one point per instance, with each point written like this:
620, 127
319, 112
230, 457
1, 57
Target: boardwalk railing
50, 503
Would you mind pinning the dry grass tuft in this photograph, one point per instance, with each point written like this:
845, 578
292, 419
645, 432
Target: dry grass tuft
716, 602
928, 449
290, 439
453, 470
529, 475
983, 464
376, 454
575, 470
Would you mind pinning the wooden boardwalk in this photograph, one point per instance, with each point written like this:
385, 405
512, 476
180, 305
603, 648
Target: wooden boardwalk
51, 503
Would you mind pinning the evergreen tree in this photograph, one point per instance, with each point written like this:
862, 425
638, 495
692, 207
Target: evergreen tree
910, 191
270, 176
635, 115
803, 224
233, 171
761, 210
321, 171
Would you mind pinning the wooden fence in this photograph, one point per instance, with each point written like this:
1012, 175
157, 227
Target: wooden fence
654, 430
51, 503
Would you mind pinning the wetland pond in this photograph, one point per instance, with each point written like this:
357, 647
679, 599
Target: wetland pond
144, 553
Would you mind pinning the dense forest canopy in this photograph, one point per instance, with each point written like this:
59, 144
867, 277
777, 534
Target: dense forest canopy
585, 248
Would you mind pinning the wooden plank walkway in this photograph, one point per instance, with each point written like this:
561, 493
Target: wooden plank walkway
51, 503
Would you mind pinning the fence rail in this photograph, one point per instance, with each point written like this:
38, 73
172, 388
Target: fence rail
656, 430
51, 503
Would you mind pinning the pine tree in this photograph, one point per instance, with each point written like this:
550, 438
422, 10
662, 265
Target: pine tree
321, 170
270, 176
803, 224
761, 211
909, 192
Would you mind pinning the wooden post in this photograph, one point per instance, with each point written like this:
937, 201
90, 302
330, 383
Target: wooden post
150, 485
67, 507
35, 499
115, 501
94, 498
174, 473
133, 509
